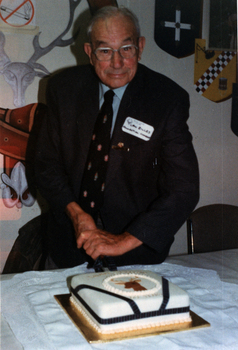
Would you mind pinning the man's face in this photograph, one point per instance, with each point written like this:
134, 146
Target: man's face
114, 33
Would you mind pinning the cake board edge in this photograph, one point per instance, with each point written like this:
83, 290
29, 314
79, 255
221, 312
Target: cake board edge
92, 336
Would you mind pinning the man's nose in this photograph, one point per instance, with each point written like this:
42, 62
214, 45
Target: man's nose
117, 60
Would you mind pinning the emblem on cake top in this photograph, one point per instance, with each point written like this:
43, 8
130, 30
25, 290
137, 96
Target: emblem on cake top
131, 285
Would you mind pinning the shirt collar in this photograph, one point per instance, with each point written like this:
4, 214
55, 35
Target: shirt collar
119, 91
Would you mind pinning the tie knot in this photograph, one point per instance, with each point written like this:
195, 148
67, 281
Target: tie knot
108, 96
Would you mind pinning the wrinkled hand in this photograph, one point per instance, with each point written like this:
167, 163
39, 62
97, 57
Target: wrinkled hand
98, 242
81, 220
102, 243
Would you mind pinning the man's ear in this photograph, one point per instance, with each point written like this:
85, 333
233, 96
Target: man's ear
141, 45
88, 50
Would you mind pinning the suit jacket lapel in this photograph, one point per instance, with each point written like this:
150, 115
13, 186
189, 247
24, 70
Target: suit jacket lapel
86, 116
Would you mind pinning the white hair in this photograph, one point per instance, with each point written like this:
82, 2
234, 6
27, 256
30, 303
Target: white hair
112, 11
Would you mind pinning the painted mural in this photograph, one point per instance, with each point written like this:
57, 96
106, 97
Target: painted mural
16, 124
17, 131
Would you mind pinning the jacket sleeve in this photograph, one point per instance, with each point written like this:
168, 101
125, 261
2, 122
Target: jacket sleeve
51, 175
178, 182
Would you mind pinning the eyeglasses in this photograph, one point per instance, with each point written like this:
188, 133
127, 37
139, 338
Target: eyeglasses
106, 53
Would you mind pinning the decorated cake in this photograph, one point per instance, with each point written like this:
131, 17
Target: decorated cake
122, 301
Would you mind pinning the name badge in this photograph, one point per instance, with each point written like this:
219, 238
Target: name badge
138, 129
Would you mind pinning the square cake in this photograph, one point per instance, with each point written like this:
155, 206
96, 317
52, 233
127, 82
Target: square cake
122, 301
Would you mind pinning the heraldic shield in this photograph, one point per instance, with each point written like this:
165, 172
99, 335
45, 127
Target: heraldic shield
177, 25
214, 72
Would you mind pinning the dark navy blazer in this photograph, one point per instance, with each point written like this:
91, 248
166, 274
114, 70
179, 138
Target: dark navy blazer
150, 189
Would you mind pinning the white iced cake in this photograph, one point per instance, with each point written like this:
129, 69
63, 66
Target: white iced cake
122, 301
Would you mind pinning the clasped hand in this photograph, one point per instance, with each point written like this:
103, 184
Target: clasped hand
97, 242
101, 243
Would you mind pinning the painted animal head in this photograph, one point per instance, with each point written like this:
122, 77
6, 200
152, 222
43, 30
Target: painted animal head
20, 75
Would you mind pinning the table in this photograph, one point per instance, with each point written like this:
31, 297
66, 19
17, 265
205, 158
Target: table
210, 279
224, 262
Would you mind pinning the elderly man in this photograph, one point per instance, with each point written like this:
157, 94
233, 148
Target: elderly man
129, 203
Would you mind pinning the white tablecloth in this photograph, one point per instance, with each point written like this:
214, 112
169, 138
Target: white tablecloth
224, 262
38, 322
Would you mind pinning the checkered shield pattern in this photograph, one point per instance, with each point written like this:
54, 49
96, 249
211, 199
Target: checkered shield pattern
213, 71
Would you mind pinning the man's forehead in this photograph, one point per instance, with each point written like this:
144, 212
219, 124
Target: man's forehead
105, 30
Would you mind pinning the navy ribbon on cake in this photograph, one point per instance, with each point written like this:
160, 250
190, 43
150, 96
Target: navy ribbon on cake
137, 314
165, 289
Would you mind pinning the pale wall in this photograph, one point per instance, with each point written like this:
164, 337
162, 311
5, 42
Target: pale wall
214, 142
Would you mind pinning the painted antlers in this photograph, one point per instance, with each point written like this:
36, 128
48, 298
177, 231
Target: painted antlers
40, 51
20, 75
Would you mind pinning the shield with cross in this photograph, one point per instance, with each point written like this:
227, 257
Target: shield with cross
177, 25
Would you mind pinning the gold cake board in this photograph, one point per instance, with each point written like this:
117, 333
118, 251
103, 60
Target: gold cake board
93, 337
